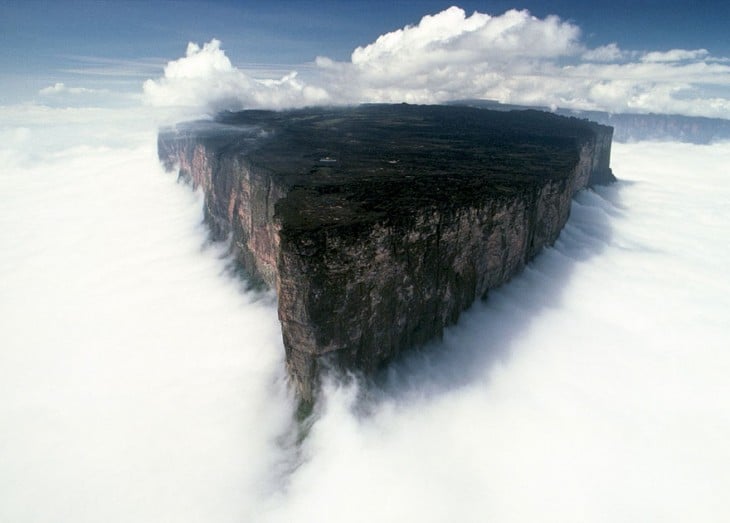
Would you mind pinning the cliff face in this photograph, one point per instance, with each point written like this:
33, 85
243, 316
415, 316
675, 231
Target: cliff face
239, 199
378, 226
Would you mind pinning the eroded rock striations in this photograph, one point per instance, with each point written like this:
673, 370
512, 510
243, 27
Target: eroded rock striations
378, 225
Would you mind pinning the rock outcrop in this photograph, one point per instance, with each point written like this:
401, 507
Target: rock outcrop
378, 225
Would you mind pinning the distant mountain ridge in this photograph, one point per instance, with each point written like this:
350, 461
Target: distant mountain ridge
632, 127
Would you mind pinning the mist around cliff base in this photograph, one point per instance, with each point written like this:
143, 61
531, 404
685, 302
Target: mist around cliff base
140, 381
590, 388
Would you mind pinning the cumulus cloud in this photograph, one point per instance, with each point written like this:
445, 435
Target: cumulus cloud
518, 58
514, 57
205, 78
451, 55
451, 36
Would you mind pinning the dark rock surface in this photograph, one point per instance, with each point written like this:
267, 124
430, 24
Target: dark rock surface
378, 225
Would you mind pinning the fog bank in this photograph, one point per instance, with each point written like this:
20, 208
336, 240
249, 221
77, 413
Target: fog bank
140, 381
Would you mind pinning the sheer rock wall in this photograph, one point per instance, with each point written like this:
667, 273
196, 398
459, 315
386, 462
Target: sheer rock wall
363, 265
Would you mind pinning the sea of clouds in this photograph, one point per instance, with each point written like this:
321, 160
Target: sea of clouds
141, 381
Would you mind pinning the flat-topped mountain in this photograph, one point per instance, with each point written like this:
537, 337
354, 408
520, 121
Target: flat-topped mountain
378, 225
632, 127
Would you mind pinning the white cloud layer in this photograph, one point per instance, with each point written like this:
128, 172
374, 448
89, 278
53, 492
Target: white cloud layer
139, 383
675, 55
60, 87
514, 58
127, 391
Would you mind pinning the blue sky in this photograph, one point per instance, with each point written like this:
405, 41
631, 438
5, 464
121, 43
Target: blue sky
36, 33
116, 45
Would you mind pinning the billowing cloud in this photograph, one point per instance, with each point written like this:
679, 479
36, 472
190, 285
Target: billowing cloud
450, 55
451, 37
518, 58
514, 57
205, 78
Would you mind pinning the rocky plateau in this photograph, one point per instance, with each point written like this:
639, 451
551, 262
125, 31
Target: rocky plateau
378, 225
